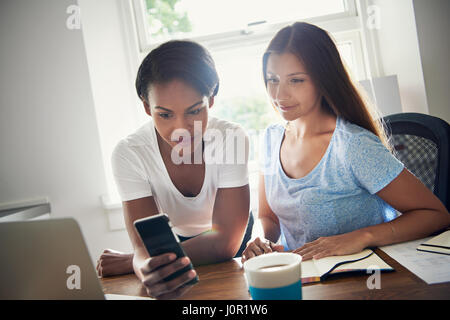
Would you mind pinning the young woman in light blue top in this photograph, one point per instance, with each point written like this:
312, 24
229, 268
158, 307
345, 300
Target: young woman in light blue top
329, 184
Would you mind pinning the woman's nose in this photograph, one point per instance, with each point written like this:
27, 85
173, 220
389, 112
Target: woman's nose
282, 93
279, 94
183, 124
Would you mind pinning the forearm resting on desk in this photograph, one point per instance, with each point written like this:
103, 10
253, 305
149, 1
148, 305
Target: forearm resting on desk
210, 247
203, 249
409, 226
422, 212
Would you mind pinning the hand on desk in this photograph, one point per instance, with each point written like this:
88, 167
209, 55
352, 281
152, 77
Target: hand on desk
156, 269
260, 246
112, 263
339, 245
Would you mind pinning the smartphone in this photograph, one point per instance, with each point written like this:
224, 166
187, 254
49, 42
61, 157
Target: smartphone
158, 237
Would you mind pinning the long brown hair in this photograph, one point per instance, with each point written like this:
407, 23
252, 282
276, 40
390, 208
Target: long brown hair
317, 51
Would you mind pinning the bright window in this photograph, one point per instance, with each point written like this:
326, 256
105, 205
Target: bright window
194, 18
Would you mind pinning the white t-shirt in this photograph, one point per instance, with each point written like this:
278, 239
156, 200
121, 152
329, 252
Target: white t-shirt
139, 172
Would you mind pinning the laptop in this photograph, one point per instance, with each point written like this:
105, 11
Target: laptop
47, 259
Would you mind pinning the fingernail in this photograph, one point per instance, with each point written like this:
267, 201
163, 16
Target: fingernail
185, 261
172, 257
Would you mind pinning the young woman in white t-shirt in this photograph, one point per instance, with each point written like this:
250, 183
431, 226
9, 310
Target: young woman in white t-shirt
179, 163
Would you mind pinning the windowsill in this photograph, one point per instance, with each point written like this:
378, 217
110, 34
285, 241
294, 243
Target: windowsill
110, 204
113, 209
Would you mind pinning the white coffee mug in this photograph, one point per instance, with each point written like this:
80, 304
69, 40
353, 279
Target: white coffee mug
274, 276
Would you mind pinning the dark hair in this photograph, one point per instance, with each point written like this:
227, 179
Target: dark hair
182, 60
314, 47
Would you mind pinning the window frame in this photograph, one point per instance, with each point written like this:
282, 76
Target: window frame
344, 27
344, 21
354, 37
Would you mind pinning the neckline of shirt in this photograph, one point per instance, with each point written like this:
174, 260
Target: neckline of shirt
166, 173
319, 164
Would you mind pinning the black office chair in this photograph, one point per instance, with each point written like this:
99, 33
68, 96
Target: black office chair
422, 143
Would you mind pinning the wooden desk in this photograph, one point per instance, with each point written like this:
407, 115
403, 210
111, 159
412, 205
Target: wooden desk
225, 281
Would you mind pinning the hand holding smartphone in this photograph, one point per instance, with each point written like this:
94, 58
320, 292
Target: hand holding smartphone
158, 238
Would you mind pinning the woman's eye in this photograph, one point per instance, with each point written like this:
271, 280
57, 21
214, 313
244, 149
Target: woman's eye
272, 80
297, 80
165, 115
197, 111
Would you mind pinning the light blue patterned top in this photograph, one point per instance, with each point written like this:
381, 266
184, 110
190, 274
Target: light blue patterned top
338, 195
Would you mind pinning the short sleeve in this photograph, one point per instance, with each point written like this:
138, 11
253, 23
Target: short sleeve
131, 181
372, 164
234, 170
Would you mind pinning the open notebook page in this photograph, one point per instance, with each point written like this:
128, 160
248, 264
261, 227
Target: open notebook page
313, 269
438, 244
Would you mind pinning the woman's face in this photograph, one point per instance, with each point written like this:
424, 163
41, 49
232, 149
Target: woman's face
290, 87
179, 112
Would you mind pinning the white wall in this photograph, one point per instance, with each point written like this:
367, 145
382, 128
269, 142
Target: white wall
398, 52
433, 25
113, 61
49, 140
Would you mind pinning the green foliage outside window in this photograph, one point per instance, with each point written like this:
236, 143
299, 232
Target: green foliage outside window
164, 20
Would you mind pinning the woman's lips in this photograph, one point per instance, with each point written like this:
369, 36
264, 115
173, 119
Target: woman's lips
287, 108
185, 141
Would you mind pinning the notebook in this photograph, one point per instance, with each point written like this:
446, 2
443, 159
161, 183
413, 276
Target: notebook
439, 244
318, 270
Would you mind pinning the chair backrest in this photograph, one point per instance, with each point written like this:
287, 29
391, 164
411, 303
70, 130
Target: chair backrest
422, 143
